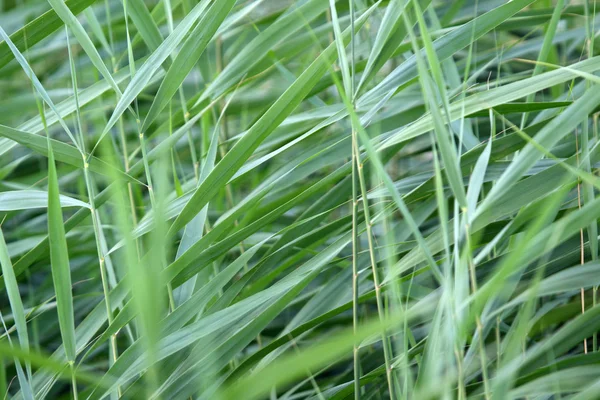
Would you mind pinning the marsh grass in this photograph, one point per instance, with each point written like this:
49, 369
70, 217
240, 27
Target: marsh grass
299, 199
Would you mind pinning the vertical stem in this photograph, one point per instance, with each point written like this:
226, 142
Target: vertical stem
110, 35
585, 132
478, 323
356, 354
498, 343
379, 300
222, 151
73, 379
355, 271
581, 242
126, 167
223, 131
595, 288
143, 141
186, 117
94, 214
186, 114
153, 202
352, 45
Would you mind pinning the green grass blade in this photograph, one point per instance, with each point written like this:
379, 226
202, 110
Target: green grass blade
253, 52
59, 258
143, 21
36, 82
547, 138
38, 29
28, 199
153, 64
242, 150
187, 57
446, 46
14, 297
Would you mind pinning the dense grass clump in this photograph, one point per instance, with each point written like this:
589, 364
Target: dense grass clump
312, 199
